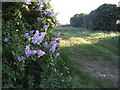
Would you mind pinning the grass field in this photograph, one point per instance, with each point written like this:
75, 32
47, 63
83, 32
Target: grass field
92, 57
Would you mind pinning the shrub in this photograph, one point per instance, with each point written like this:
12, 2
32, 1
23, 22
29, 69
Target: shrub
30, 49
102, 18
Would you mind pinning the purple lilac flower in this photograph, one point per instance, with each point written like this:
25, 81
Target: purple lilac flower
6, 40
59, 39
57, 44
39, 18
56, 39
45, 12
33, 52
58, 34
36, 35
40, 4
46, 1
57, 54
31, 32
26, 35
21, 58
40, 53
53, 48
27, 51
51, 14
49, 10
38, 39
41, 10
58, 23
45, 26
41, 37
52, 42
53, 39
27, 1
46, 44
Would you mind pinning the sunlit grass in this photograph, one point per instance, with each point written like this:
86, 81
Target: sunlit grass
80, 45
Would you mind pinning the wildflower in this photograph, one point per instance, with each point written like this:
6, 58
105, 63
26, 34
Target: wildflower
45, 26
40, 53
26, 35
31, 32
21, 58
27, 51
6, 40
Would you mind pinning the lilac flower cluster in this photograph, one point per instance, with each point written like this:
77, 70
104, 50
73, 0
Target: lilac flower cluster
48, 12
27, 35
39, 18
53, 45
27, 1
38, 37
6, 40
21, 58
45, 26
29, 52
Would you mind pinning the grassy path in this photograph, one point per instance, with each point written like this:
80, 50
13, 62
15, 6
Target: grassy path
95, 52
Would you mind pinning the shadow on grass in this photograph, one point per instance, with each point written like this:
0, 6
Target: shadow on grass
104, 52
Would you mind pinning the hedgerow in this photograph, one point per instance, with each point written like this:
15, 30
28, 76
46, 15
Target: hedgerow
30, 57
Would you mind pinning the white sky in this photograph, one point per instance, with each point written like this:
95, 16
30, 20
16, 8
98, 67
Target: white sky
67, 8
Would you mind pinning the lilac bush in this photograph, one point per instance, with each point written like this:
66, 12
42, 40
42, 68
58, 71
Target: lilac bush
30, 49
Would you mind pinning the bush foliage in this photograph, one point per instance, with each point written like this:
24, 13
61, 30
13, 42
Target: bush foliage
30, 49
103, 18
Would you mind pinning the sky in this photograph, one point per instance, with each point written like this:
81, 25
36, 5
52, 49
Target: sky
68, 8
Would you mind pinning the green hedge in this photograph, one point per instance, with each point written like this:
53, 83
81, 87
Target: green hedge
30, 49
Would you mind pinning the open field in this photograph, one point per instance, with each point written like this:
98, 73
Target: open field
92, 56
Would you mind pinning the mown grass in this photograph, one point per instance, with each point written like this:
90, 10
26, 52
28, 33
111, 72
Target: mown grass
79, 45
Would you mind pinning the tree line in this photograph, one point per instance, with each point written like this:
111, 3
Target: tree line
102, 18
